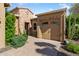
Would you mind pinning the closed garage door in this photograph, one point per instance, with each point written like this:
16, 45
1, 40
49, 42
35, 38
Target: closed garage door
45, 30
55, 30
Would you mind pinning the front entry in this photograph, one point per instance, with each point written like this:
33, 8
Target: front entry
26, 27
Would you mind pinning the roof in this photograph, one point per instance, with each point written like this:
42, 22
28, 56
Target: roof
59, 10
22, 8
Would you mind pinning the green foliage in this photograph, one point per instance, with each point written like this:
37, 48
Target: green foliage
73, 47
70, 22
74, 9
9, 27
11, 39
72, 26
18, 41
72, 30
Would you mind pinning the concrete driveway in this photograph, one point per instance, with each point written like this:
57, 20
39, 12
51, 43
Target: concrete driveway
35, 47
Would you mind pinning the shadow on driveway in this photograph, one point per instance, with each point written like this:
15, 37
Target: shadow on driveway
48, 49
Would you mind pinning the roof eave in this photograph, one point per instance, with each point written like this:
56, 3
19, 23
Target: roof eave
64, 9
21, 8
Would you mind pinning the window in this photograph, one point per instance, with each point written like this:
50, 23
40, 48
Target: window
55, 23
17, 17
45, 24
35, 26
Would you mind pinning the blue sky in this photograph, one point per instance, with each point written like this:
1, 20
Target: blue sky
40, 7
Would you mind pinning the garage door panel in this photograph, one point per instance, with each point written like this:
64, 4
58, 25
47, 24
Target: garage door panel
55, 30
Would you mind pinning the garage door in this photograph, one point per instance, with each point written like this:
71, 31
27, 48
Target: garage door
55, 30
45, 30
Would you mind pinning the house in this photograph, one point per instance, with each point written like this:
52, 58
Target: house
2, 23
50, 25
23, 19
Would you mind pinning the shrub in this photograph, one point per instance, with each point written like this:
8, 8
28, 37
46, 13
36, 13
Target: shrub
72, 26
76, 36
9, 27
11, 39
76, 49
18, 41
73, 47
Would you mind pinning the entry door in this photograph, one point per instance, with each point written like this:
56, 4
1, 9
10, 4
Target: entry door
26, 27
55, 30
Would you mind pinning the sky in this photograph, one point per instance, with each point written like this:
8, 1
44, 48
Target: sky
37, 8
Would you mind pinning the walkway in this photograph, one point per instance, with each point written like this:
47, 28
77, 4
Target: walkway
35, 47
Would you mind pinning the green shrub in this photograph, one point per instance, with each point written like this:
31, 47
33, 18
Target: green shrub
18, 41
72, 26
9, 27
76, 49
70, 47
11, 39
73, 47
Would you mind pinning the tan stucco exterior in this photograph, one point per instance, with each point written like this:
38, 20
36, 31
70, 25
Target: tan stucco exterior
22, 15
46, 27
49, 25
2, 25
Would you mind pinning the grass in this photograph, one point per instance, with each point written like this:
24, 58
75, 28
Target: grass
73, 47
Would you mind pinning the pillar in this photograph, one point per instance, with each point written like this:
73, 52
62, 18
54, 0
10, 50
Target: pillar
2, 25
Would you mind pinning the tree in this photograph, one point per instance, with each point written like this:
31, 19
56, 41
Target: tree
9, 26
75, 8
70, 22
72, 26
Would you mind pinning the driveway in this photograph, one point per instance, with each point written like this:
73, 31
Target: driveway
35, 47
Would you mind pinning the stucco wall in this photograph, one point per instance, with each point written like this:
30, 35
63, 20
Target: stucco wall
24, 16
2, 25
